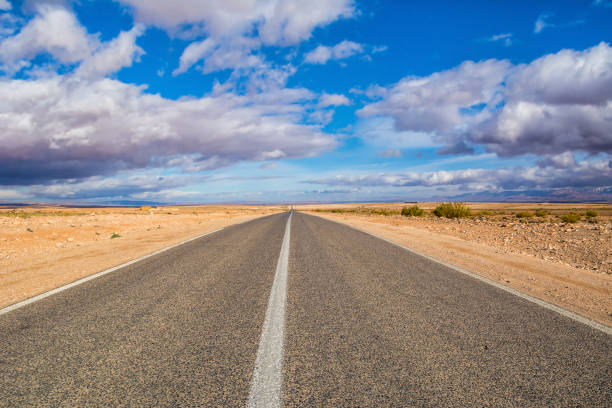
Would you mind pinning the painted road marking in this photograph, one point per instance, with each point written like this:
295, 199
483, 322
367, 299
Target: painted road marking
267, 376
96, 275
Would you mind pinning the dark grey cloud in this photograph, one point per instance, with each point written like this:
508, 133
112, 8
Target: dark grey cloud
70, 128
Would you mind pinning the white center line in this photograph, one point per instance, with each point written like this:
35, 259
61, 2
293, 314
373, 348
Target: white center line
267, 375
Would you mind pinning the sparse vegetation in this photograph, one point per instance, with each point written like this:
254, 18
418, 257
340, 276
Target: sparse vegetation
371, 211
28, 214
571, 218
383, 211
524, 214
452, 210
541, 213
115, 235
484, 213
414, 211
591, 214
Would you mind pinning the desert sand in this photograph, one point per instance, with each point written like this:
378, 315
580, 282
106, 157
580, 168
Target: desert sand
566, 264
44, 248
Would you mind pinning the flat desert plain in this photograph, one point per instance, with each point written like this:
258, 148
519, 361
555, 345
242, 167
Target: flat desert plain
568, 264
44, 248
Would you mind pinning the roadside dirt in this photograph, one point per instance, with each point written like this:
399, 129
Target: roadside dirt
41, 249
568, 265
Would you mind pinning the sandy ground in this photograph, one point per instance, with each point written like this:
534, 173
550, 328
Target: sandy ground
44, 248
565, 264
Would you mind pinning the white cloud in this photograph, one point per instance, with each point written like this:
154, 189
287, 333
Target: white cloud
559, 161
558, 103
114, 55
5, 5
235, 30
68, 128
322, 54
9, 23
585, 174
12, 195
433, 103
565, 78
390, 153
542, 23
54, 30
276, 22
234, 54
505, 38
293, 21
332, 100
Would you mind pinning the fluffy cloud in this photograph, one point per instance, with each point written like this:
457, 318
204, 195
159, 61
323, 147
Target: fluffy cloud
333, 100
235, 29
235, 54
322, 54
276, 22
585, 174
5, 5
566, 78
559, 161
54, 30
114, 55
68, 128
558, 103
435, 103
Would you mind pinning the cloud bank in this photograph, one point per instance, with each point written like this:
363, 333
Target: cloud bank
558, 103
585, 174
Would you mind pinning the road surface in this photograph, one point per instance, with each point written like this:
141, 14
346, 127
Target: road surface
356, 321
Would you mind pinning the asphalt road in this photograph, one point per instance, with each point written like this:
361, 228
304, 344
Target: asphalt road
365, 323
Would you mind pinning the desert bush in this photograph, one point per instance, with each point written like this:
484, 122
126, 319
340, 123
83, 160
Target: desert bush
452, 210
483, 213
115, 235
591, 214
571, 218
541, 213
413, 211
524, 214
383, 211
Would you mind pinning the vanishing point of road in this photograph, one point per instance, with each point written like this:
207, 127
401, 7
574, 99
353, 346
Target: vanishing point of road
293, 310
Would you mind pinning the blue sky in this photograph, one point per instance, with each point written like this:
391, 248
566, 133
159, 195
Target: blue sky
289, 101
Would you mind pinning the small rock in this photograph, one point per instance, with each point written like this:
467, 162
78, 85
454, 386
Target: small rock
70, 239
29, 230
